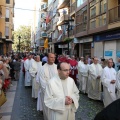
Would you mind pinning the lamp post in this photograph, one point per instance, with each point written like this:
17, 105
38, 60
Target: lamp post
19, 42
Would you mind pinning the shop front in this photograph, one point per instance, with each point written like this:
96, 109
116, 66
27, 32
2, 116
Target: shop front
107, 45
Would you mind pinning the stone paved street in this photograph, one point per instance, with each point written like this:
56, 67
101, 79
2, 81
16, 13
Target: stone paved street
24, 107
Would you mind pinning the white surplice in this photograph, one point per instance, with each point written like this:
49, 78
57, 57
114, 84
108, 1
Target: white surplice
108, 88
118, 84
80, 63
27, 64
56, 91
35, 66
44, 75
84, 77
94, 91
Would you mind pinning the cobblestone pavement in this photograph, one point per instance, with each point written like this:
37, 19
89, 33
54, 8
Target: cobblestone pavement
88, 108
24, 107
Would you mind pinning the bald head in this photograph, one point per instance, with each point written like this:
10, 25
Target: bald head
38, 58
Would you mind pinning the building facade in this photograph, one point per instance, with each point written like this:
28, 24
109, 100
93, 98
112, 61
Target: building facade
84, 27
6, 25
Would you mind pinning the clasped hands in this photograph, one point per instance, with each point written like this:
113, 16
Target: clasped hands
112, 81
68, 100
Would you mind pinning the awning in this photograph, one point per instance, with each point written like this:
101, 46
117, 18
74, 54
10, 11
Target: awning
63, 42
9, 41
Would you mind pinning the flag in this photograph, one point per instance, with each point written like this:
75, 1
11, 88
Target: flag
47, 19
46, 43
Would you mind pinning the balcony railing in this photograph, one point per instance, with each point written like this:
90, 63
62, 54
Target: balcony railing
114, 14
49, 27
62, 19
81, 27
73, 7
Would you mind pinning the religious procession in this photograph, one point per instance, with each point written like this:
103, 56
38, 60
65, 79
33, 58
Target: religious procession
58, 81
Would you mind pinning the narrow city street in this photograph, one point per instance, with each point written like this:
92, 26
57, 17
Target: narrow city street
24, 107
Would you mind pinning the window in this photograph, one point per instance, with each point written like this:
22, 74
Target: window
93, 12
42, 15
8, 1
80, 2
7, 32
93, 24
7, 15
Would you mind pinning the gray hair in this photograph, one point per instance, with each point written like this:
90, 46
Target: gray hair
1, 62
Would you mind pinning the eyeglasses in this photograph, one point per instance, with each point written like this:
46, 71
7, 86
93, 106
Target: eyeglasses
66, 70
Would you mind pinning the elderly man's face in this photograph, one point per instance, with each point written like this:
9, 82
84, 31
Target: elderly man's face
95, 60
51, 58
64, 71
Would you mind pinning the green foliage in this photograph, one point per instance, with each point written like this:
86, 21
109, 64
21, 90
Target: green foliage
68, 39
25, 42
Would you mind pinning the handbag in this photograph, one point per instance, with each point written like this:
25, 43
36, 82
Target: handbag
2, 98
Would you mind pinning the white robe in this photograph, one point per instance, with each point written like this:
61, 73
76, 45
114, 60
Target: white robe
44, 75
27, 64
80, 63
118, 84
54, 99
108, 88
94, 91
84, 77
35, 66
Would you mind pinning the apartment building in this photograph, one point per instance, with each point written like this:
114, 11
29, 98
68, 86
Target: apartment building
6, 25
97, 28
84, 27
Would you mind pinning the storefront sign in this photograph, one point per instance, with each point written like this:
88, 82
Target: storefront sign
113, 35
83, 40
118, 53
108, 53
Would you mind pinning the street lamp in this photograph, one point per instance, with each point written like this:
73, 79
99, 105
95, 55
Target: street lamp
19, 37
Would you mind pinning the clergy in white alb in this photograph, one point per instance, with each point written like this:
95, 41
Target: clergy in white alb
62, 95
79, 73
118, 84
35, 66
108, 81
27, 64
84, 76
95, 72
48, 71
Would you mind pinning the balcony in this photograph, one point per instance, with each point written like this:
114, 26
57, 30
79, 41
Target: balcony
44, 7
63, 19
63, 4
81, 27
72, 8
114, 15
49, 27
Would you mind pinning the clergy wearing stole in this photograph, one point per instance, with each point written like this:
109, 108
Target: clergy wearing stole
27, 64
84, 76
79, 73
95, 72
109, 81
47, 71
62, 95
35, 66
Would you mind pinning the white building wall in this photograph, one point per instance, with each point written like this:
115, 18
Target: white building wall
110, 46
98, 49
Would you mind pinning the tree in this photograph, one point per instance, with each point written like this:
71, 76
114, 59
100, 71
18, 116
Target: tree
25, 42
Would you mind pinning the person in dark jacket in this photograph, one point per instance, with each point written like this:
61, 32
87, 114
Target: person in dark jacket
16, 68
111, 112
